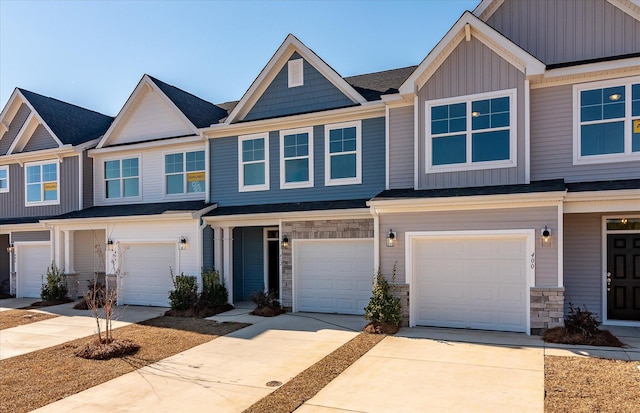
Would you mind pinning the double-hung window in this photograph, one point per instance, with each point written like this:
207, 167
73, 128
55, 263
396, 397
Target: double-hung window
41, 181
184, 173
253, 161
296, 158
607, 121
472, 132
343, 153
4, 179
122, 178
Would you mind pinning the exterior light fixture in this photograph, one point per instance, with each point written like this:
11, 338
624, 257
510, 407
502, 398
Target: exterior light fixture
110, 245
182, 244
391, 238
11, 248
475, 114
545, 237
624, 221
615, 96
285, 241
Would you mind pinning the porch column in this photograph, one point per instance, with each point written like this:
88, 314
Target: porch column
57, 244
217, 248
68, 251
227, 271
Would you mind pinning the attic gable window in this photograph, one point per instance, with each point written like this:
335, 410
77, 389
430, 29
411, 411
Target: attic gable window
4, 179
295, 72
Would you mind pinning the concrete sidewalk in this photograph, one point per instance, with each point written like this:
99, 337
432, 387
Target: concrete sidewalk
227, 374
71, 324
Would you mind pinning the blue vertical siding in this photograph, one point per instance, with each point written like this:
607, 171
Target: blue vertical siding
224, 171
317, 93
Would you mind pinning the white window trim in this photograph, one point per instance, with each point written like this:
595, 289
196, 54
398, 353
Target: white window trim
469, 165
184, 173
327, 155
5, 168
251, 188
104, 179
628, 155
302, 184
40, 163
295, 72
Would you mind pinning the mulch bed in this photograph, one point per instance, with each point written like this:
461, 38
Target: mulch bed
560, 335
47, 375
199, 312
14, 318
40, 304
267, 311
375, 327
587, 385
306, 384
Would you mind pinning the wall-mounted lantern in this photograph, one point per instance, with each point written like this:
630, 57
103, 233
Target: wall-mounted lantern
391, 238
545, 237
182, 243
11, 248
110, 245
285, 241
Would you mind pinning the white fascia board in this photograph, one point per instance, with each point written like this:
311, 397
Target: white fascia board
631, 7
147, 145
9, 228
468, 202
62, 152
504, 47
10, 110
273, 218
290, 45
167, 216
486, 8
200, 213
602, 201
370, 110
620, 64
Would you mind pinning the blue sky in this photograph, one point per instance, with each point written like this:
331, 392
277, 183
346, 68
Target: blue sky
93, 53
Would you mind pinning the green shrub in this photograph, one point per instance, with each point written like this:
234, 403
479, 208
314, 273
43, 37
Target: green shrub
185, 293
214, 292
383, 307
581, 321
55, 288
266, 299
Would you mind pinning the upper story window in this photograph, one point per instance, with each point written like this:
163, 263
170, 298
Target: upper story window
184, 173
41, 181
253, 161
4, 179
471, 132
343, 153
295, 72
122, 178
296, 158
607, 121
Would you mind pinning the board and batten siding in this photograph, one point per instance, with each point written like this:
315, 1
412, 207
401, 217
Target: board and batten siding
470, 69
316, 94
151, 174
14, 127
552, 142
491, 219
567, 30
39, 140
225, 173
30, 236
87, 180
401, 148
12, 203
583, 262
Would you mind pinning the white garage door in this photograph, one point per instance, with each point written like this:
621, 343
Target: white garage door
32, 263
145, 269
333, 276
470, 282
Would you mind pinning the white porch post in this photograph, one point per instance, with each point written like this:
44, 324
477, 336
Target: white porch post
228, 260
68, 251
217, 248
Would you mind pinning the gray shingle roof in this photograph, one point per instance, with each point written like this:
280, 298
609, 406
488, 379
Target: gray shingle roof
373, 85
70, 123
135, 209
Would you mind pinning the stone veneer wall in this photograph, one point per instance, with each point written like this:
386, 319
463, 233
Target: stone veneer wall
402, 292
547, 308
320, 229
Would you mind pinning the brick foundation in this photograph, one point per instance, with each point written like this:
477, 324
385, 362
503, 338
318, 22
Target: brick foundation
547, 308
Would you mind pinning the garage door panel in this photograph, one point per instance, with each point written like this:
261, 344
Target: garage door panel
146, 278
33, 261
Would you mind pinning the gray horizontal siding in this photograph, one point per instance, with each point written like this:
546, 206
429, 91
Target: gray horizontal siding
401, 147
552, 142
224, 171
317, 93
493, 219
30, 236
583, 261
12, 203
557, 31
14, 127
40, 139
472, 68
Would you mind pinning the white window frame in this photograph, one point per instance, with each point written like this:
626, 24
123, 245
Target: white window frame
104, 178
40, 164
627, 155
303, 184
251, 188
295, 72
5, 168
184, 173
327, 155
469, 165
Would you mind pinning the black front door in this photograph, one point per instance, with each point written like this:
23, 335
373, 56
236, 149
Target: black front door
623, 277
274, 266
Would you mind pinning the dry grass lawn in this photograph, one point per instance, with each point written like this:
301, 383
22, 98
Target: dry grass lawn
45, 376
14, 318
588, 385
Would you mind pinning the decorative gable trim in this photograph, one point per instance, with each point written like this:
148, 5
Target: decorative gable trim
632, 8
9, 111
290, 45
144, 87
486, 8
466, 27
